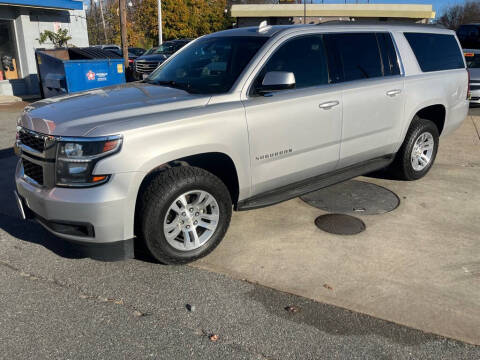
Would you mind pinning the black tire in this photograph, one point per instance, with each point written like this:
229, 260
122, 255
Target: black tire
402, 167
156, 199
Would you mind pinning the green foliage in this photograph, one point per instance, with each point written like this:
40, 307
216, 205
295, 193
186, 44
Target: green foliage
59, 38
181, 19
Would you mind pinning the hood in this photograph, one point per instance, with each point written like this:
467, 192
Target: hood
78, 114
474, 74
154, 57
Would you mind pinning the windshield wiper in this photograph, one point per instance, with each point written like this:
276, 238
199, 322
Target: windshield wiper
173, 84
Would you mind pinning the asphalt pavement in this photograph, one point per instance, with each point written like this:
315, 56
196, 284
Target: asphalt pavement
57, 304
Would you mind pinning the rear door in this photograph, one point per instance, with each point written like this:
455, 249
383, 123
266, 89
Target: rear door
373, 96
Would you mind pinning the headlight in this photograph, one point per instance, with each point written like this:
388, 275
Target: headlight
77, 157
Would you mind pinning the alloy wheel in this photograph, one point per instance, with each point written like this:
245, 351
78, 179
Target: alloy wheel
422, 151
191, 220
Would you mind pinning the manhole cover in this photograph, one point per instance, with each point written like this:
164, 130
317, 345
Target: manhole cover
353, 197
340, 224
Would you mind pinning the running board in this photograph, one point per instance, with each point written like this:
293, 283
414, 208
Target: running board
312, 184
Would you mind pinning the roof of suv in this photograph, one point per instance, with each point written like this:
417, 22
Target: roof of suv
271, 30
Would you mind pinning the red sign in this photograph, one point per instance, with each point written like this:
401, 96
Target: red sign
91, 75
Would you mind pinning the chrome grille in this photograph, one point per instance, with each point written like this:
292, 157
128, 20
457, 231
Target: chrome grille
38, 152
33, 171
145, 67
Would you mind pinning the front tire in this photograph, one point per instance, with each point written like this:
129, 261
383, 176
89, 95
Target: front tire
184, 213
418, 151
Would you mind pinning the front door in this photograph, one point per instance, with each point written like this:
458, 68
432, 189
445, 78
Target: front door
294, 134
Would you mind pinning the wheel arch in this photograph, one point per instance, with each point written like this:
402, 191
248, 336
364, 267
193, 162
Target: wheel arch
217, 163
435, 112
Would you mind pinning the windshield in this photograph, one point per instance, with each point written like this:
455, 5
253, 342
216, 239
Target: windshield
136, 51
150, 51
473, 60
208, 66
166, 48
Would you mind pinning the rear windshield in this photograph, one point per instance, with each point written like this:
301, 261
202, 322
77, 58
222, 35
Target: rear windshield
436, 52
468, 30
472, 60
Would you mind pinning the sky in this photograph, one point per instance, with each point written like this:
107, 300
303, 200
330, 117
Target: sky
438, 5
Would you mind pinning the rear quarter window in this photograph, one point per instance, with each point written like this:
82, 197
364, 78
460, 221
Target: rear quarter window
435, 52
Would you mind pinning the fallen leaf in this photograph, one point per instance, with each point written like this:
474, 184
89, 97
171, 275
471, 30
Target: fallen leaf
214, 337
326, 286
137, 313
292, 308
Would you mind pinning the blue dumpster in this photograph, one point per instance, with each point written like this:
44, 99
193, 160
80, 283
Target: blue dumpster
65, 71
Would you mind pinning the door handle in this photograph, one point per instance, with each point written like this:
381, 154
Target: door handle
393, 93
328, 105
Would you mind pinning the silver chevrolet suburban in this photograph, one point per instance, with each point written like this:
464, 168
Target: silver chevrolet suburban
240, 119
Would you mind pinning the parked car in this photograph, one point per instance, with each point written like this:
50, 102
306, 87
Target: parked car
472, 57
148, 62
132, 55
136, 51
469, 36
243, 118
108, 47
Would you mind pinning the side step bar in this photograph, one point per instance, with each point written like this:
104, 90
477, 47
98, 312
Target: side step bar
312, 184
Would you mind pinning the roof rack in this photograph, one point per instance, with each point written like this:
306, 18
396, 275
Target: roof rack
378, 22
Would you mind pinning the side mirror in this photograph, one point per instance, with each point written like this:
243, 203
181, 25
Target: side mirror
277, 80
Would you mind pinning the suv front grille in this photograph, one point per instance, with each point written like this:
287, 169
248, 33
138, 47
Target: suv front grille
145, 67
33, 171
34, 141
38, 153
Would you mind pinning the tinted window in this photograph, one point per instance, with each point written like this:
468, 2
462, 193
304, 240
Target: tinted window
304, 56
436, 52
208, 66
359, 55
469, 36
468, 30
389, 55
473, 60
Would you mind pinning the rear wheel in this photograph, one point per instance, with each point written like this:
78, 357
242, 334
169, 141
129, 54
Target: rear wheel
418, 151
184, 213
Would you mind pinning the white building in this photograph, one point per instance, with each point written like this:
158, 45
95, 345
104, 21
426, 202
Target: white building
21, 22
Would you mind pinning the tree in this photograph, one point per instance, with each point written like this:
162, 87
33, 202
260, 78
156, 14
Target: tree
456, 15
181, 18
59, 38
94, 24
207, 16
174, 16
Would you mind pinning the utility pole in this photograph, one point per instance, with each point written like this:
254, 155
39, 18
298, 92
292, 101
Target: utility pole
123, 30
160, 40
103, 20
304, 11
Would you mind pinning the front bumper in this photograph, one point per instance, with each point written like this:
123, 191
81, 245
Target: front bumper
99, 217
